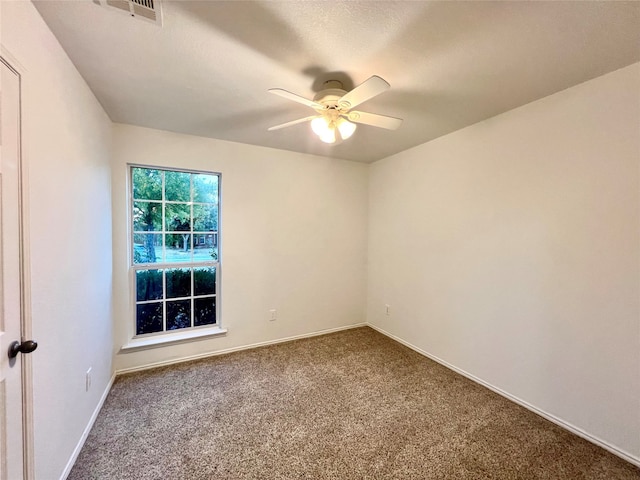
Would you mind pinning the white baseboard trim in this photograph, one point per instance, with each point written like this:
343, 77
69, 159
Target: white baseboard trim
235, 349
85, 434
558, 421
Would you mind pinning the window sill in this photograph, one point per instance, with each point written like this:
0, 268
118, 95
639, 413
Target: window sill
137, 344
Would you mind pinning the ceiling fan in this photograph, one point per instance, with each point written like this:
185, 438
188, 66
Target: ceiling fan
333, 109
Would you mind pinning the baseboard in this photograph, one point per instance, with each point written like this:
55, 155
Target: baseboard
235, 349
558, 421
85, 434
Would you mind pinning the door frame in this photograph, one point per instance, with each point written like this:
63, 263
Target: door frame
25, 280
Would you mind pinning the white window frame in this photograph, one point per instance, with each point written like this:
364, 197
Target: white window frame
178, 335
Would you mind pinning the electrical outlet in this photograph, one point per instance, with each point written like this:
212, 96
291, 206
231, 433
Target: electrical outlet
88, 380
273, 314
387, 310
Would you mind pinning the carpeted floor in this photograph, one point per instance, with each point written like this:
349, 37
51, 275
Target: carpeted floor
350, 405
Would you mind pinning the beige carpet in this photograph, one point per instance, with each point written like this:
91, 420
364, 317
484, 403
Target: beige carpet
350, 405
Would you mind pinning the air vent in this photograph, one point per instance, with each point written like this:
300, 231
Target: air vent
148, 10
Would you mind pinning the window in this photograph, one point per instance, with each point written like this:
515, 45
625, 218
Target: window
174, 249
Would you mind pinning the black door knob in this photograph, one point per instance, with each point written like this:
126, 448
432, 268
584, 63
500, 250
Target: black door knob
25, 347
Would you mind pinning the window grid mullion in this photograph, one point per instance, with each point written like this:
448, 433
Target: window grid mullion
164, 270
170, 202
158, 300
180, 232
193, 292
164, 300
164, 215
146, 302
160, 266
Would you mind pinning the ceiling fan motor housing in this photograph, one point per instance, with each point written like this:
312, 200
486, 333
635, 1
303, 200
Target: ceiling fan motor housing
329, 96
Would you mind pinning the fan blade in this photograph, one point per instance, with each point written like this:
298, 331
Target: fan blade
296, 98
293, 122
382, 121
368, 89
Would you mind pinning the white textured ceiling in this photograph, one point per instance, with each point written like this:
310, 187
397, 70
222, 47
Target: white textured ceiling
206, 71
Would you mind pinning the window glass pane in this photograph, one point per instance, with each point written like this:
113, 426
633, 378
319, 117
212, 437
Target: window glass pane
178, 314
178, 247
204, 281
177, 186
203, 250
204, 311
147, 248
205, 188
147, 216
148, 318
178, 282
148, 285
177, 217
147, 184
201, 241
205, 218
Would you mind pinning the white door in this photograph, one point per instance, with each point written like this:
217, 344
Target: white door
11, 420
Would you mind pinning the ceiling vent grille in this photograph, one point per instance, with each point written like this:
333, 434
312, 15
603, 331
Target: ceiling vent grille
148, 10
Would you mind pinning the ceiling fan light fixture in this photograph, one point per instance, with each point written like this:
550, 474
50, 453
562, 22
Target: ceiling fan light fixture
345, 127
324, 128
320, 126
329, 136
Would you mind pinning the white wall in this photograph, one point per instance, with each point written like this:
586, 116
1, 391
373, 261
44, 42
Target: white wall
511, 250
293, 235
66, 142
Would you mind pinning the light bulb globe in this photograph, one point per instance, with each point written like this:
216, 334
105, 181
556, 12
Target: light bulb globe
346, 128
319, 126
329, 136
